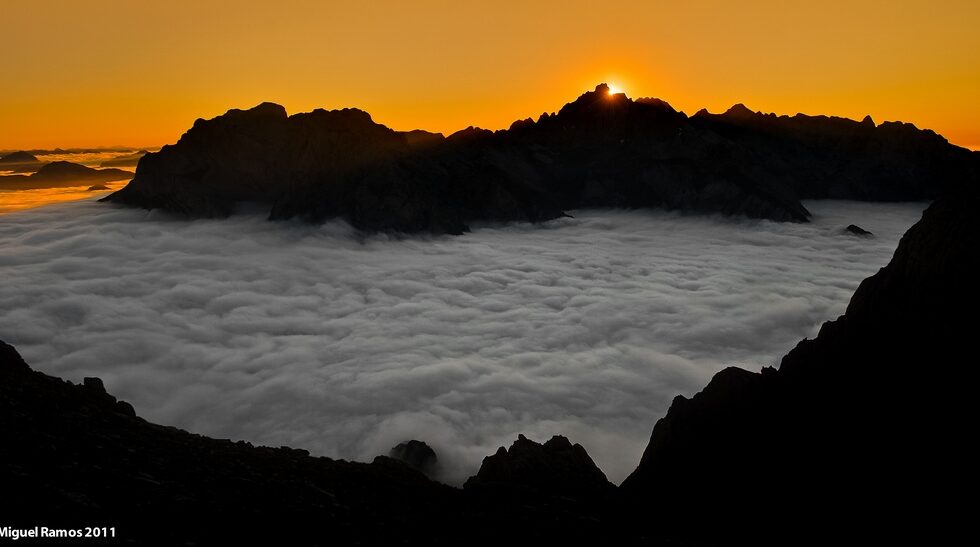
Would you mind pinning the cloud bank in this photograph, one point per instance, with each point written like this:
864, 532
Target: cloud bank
314, 337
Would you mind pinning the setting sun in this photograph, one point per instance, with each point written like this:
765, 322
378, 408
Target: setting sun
615, 89
390, 58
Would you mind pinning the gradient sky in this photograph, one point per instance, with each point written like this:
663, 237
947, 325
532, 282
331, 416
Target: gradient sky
99, 73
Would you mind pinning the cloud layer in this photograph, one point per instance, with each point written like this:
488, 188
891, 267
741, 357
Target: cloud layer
310, 336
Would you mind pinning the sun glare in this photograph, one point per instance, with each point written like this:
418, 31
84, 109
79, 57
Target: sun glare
614, 89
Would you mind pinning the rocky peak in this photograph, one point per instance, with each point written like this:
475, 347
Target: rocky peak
739, 110
417, 455
19, 157
854, 229
9, 357
870, 413
556, 467
598, 100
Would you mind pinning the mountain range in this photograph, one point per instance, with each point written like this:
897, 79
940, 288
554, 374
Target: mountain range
601, 150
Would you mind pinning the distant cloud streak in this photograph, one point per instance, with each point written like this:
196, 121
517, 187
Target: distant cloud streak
313, 337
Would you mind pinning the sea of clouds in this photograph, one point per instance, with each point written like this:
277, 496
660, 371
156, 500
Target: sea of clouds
316, 337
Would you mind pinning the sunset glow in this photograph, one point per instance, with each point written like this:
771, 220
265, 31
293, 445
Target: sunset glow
128, 73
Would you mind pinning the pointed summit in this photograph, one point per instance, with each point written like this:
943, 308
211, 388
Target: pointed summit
598, 100
739, 110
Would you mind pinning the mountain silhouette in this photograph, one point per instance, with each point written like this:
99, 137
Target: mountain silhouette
20, 162
860, 432
601, 150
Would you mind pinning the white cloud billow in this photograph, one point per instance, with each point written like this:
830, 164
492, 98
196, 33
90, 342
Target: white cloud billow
314, 337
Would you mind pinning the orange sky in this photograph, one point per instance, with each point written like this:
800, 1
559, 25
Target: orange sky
97, 73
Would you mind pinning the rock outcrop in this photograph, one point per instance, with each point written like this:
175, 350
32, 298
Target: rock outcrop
74, 456
417, 455
601, 150
59, 174
555, 468
856, 230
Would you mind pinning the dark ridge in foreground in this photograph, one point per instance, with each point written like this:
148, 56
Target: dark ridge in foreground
59, 174
862, 435
74, 456
602, 150
555, 468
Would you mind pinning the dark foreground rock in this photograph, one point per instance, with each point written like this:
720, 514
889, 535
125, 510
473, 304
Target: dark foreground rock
74, 456
856, 230
601, 150
58, 174
861, 433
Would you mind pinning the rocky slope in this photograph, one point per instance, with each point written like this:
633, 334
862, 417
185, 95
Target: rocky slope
74, 456
601, 150
860, 433
59, 174
124, 160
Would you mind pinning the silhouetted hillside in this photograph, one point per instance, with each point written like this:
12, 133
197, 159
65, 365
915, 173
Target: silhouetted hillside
20, 162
